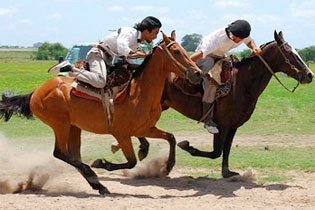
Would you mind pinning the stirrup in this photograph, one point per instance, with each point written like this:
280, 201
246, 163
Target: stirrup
211, 129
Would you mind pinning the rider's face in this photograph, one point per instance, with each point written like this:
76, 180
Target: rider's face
149, 36
236, 39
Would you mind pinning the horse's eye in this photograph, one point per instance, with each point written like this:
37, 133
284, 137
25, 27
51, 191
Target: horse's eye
177, 52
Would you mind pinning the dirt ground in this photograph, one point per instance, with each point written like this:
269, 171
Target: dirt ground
66, 189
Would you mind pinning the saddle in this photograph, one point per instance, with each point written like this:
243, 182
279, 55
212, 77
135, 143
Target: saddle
117, 82
227, 75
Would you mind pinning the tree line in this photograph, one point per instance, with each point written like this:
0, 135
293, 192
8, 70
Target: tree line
191, 41
52, 51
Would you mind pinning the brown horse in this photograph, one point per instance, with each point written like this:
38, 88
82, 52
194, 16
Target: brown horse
137, 115
236, 108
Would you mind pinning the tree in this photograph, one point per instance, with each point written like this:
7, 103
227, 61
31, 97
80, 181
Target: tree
37, 44
243, 54
191, 41
49, 51
308, 54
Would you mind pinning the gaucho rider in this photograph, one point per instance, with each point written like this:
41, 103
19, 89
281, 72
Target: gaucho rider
211, 50
123, 42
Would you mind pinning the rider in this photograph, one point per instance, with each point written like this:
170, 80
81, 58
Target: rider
123, 42
213, 48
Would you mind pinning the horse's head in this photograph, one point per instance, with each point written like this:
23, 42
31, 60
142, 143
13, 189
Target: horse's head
178, 60
290, 62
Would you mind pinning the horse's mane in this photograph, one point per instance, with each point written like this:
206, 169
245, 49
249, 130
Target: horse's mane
251, 56
141, 68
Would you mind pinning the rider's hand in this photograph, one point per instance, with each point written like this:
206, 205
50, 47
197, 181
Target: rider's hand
257, 51
138, 54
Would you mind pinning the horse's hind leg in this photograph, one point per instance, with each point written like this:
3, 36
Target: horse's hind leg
74, 142
127, 148
61, 152
143, 148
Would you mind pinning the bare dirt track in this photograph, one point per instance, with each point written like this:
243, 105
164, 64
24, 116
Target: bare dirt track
66, 189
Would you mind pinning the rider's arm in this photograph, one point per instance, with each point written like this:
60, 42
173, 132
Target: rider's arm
137, 54
196, 56
252, 45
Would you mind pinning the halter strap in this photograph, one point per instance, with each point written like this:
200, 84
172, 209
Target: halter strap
273, 73
165, 48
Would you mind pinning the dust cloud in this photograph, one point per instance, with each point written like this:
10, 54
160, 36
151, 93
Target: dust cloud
22, 169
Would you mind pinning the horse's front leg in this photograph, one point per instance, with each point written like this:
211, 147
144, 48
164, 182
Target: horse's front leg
125, 144
218, 142
143, 148
157, 133
226, 173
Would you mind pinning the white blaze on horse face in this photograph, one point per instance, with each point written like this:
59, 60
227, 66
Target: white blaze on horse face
297, 54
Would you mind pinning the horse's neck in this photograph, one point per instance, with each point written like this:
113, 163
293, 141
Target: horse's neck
149, 85
253, 79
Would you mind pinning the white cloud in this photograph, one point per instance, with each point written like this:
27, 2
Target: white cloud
26, 21
150, 9
142, 8
55, 16
163, 10
304, 9
4, 12
231, 3
115, 9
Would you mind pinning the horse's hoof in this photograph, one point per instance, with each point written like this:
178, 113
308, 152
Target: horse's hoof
183, 145
114, 147
97, 164
228, 174
142, 154
103, 191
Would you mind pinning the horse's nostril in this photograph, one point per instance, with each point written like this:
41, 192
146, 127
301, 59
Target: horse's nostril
198, 73
310, 75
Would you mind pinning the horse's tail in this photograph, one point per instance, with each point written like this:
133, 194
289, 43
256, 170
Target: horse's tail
19, 104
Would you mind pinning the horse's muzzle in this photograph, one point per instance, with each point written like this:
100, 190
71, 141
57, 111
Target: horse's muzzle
306, 77
194, 76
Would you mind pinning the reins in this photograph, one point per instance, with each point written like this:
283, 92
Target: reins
273, 73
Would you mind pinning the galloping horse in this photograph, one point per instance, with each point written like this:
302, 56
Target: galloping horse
137, 115
236, 108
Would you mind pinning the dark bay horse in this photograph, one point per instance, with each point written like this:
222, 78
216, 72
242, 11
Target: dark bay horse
67, 115
236, 108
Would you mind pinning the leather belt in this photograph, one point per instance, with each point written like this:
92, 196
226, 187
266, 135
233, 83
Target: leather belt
103, 50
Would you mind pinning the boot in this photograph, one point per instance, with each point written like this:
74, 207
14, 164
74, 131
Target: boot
209, 124
64, 66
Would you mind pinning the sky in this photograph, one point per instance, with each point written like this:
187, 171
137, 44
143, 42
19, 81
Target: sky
25, 22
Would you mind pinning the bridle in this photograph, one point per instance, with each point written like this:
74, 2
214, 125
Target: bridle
287, 61
165, 48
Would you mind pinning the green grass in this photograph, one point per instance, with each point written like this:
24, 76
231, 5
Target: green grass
277, 110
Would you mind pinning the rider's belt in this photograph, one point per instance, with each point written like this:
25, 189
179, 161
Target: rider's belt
106, 53
102, 49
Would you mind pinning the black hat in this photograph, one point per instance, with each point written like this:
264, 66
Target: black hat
240, 28
149, 23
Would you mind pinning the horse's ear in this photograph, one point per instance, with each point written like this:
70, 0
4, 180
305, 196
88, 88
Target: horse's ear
277, 38
173, 35
281, 35
165, 38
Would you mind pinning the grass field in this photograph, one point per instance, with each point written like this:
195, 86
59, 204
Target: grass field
277, 112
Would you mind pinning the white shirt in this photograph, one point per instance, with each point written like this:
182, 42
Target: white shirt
218, 43
123, 42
